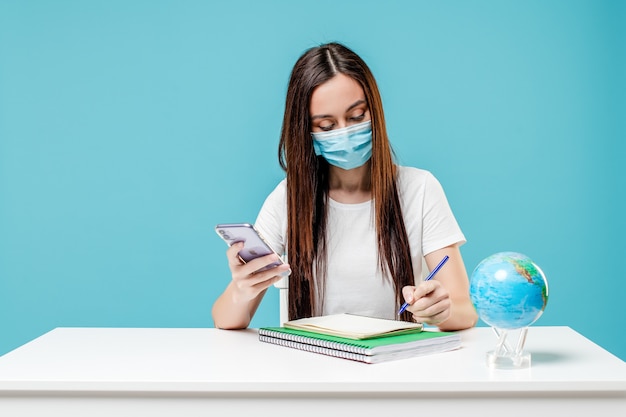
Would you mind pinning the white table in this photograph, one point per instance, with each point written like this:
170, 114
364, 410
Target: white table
192, 372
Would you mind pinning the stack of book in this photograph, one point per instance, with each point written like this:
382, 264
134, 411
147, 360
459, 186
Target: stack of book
360, 338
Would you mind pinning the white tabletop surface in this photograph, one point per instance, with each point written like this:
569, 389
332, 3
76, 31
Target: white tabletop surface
213, 362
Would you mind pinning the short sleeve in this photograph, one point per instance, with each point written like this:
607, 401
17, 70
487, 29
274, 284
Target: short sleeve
440, 228
271, 221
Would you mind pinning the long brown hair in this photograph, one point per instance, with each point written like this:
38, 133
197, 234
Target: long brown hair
307, 181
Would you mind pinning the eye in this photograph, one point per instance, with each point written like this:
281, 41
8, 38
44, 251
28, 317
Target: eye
326, 128
358, 118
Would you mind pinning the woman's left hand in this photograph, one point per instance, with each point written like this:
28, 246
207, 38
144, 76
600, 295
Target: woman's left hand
429, 302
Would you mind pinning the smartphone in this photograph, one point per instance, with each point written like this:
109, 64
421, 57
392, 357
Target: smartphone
254, 244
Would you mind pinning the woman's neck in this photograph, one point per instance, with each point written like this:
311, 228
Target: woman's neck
350, 186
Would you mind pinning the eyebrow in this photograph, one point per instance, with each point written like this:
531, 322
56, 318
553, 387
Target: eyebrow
353, 105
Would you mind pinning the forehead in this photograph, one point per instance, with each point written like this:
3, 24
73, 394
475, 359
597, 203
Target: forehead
335, 96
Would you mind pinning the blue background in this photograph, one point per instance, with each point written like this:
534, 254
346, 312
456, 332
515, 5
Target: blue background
128, 129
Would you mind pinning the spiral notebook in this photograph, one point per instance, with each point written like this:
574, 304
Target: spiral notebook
370, 350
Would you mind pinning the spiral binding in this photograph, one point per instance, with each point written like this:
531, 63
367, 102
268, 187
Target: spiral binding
324, 350
316, 342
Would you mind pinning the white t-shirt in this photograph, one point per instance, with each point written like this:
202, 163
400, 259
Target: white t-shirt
354, 281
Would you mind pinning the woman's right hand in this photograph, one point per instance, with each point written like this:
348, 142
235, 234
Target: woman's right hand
248, 284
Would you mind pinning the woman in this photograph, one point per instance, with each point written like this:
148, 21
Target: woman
354, 227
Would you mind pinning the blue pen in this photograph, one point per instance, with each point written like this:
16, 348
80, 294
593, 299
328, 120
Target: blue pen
432, 274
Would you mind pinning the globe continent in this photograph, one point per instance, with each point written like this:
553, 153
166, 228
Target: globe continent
508, 290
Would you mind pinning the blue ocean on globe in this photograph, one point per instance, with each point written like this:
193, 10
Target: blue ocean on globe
508, 290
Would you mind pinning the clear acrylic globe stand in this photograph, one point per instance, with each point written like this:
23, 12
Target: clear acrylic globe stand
506, 355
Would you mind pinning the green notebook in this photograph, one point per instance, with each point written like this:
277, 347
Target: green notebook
372, 350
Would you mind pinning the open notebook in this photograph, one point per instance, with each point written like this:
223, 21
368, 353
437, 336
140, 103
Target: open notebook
353, 326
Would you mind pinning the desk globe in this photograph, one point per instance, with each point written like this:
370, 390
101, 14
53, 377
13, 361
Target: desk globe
509, 292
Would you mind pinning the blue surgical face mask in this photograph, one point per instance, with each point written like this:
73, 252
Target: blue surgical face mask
347, 148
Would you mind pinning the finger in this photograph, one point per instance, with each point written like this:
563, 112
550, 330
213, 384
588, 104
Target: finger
248, 275
434, 313
430, 299
232, 254
258, 282
424, 288
264, 261
433, 319
255, 283
407, 293
266, 283
249, 290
